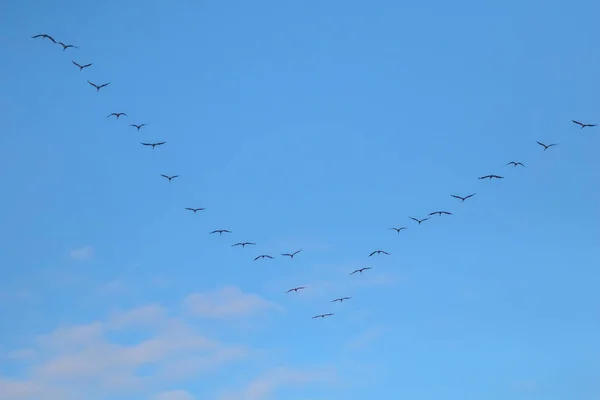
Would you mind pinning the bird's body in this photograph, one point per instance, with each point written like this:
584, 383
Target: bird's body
66, 46
546, 146
323, 315
291, 255
490, 177
98, 87
263, 256
169, 177
398, 229
44, 36
379, 252
341, 299
116, 115
582, 124
81, 67
137, 126
419, 221
360, 270
462, 199
243, 244
153, 144
296, 289
440, 213
516, 163
194, 209
220, 231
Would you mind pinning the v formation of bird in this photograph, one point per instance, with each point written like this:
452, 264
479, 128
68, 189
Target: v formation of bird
291, 255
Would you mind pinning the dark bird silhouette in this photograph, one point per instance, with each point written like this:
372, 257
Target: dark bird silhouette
360, 270
398, 229
98, 87
220, 231
243, 244
515, 163
194, 209
263, 256
116, 115
341, 299
379, 252
323, 315
462, 198
440, 213
44, 36
296, 289
81, 67
137, 126
66, 46
582, 124
169, 177
154, 144
491, 176
291, 255
546, 147
419, 220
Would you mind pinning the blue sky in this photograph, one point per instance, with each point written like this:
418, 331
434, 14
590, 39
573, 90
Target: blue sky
299, 125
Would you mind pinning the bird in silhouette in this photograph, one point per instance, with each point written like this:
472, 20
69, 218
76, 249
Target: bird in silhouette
341, 299
154, 144
322, 315
66, 46
291, 255
243, 244
296, 289
98, 87
419, 221
44, 36
169, 177
440, 213
546, 147
360, 270
490, 177
137, 126
116, 115
220, 231
194, 209
398, 229
263, 256
379, 252
462, 198
516, 163
81, 67
582, 124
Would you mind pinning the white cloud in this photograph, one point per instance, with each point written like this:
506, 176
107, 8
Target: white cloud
82, 253
229, 301
21, 355
174, 395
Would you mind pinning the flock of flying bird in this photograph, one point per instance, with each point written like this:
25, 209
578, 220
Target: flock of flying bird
117, 115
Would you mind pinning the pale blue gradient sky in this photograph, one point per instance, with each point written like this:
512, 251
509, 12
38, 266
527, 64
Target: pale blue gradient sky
314, 125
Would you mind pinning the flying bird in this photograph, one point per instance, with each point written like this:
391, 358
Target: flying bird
296, 289
462, 198
263, 256
243, 244
66, 46
169, 177
546, 147
322, 315
341, 299
292, 254
582, 124
419, 220
81, 67
137, 126
379, 252
360, 270
220, 231
194, 209
98, 87
490, 177
398, 229
44, 36
116, 115
154, 144
515, 163
440, 213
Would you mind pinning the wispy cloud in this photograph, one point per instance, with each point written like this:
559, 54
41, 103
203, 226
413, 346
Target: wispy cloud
82, 253
365, 338
174, 395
